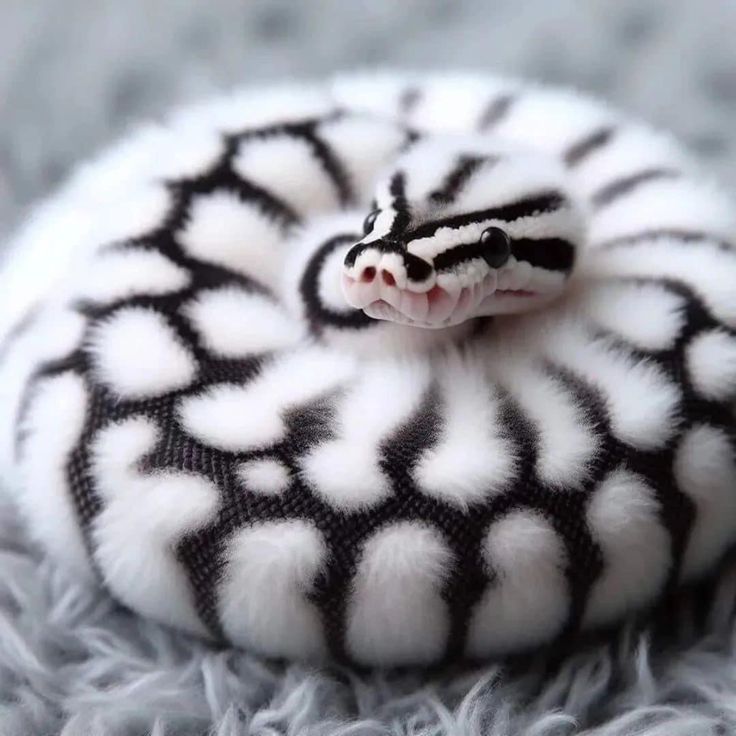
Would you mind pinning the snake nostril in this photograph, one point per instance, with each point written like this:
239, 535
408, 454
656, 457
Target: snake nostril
369, 273
388, 278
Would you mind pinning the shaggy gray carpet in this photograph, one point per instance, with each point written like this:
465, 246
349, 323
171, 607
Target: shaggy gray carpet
76, 73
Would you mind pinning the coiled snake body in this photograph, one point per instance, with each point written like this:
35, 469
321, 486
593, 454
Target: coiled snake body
220, 395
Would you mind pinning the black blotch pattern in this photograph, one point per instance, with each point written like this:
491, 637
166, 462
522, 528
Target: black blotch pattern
578, 152
201, 553
628, 184
495, 111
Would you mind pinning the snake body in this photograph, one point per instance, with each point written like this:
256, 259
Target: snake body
394, 369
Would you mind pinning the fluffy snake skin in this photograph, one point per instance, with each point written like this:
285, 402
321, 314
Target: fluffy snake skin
219, 398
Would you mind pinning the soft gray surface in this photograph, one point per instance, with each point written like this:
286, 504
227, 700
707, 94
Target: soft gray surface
73, 75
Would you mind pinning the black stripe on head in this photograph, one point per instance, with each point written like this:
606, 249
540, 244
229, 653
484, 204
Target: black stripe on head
452, 257
552, 254
496, 111
397, 189
536, 204
578, 152
417, 269
457, 178
626, 184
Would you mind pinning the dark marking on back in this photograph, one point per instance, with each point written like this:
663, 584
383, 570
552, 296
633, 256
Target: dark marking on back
578, 152
496, 111
683, 236
408, 99
457, 177
536, 204
627, 184
332, 165
397, 189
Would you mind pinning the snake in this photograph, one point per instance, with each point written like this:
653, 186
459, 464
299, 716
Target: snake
394, 369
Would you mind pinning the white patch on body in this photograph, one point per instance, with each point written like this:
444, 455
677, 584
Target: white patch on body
269, 571
53, 427
703, 267
346, 471
264, 476
286, 167
470, 461
251, 417
624, 519
235, 323
226, 231
123, 273
396, 613
527, 600
649, 316
711, 361
137, 355
144, 516
705, 469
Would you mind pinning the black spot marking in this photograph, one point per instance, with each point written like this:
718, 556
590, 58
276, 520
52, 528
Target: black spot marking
457, 178
409, 99
496, 110
595, 141
627, 184
397, 189
683, 236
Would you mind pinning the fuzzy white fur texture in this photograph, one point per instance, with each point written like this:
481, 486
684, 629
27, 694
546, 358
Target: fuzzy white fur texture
160, 507
192, 411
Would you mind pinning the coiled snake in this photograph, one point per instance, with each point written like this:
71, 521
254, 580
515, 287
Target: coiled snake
219, 394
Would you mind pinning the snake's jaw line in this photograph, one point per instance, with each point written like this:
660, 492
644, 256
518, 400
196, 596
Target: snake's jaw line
450, 301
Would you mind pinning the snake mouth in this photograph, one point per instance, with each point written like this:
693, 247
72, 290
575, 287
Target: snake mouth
439, 307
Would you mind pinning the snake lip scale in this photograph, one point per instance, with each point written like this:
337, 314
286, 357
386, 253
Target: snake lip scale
436, 308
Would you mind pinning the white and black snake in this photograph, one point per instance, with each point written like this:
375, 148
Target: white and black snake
218, 395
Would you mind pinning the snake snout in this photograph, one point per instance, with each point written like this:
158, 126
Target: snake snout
390, 284
388, 262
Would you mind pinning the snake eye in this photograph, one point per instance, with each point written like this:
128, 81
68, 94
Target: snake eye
370, 221
496, 246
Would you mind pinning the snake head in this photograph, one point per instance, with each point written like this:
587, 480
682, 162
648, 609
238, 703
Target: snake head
460, 231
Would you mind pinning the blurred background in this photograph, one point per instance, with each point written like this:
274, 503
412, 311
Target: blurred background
74, 74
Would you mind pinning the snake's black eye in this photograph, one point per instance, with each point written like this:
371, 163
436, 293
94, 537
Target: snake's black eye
496, 246
369, 221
